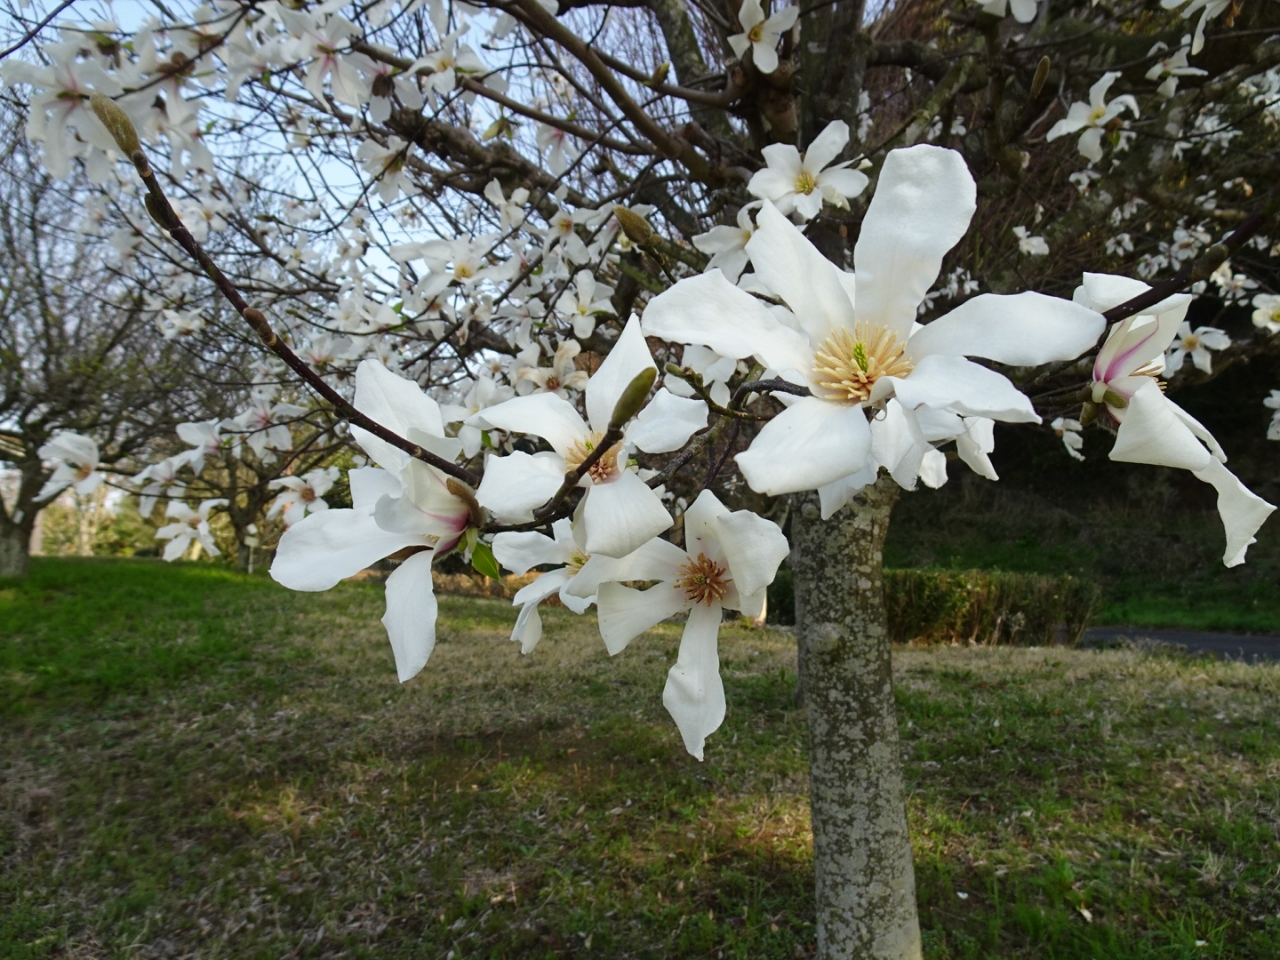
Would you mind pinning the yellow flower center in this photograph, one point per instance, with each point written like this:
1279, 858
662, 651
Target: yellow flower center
805, 183
756, 33
1097, 114
604, 469
847, 366
1190, 342
703, 581
307, 495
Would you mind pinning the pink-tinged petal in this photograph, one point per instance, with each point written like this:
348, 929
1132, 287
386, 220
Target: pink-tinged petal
921, 208
1025, 329
325, 548
709, 311
622, 515
1242, 511
411, 614
667, 422
765, 55
521, 552
826, 146
1151, 432
694, 694
515, 485
833, 496
624, 613
752, 546
541, 415
656, 560
963, 387
628, 359
808, 445
793, 268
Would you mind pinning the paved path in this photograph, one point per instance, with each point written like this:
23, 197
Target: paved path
1227, 646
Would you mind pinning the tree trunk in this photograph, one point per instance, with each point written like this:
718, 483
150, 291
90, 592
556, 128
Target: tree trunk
865, 881
15, 543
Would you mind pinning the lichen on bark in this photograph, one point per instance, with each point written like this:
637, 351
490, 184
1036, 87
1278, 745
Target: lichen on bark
865, 881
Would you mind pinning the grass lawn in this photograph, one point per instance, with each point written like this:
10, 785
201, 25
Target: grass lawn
196, 763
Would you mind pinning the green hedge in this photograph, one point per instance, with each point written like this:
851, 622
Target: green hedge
972, 606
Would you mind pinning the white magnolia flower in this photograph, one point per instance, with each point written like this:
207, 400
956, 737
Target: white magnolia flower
714, 369
854, 359
205, 437
386, 166
582, 303
1266, 313
761, 35
619, 510
511, 211
266, 426
173, 324
520, 552
1035, 246
190, 525
1091, 117
801, 184
1024, 11
555, 143
1152, 428
160, 479
1069, 432
1168, 69
485, 392
1211, 9
728, 562
1273, 401
728, 245
1196, 345
406, 506
302, 495
77, 457
559, 378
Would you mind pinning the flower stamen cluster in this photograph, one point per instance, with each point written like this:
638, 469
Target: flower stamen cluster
604, 469
703, 581
847, 366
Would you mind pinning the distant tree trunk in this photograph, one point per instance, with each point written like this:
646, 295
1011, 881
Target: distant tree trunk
15, 546
865, 881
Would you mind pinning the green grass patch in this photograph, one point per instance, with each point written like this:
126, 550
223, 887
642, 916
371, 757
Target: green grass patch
1088, 804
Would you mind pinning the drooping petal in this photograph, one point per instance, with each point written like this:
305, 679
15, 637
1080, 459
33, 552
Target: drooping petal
752, 545
1025, 329
792, 267
1151, 432
622, 515
667, 422
810, 444
515, 485
1242, 511
962, 386
834, 495
765, 54
657, 560
521, 551
541, 415
628, 359
411, 614
327, 547
625, 613
694, 694
709, 311
921, 208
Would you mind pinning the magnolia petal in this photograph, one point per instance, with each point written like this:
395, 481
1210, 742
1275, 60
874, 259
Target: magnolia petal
625, 613
933, 469
964, 387
327, 547
709, 311
1242, 511
921, 208
975, 445
809, 444
833, 496
521, 552
411, 614
369, 485
515, 485
765, 56
395, 402
792, 267
1025, 329
622, 515
667, 422
628, 359
1150, 432
1200, 430
1102, 291
694, 694
541, 415
826, 146
752, 546
528, 627
656, 560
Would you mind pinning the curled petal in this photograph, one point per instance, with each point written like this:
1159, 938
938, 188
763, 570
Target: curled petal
411, 614
694, 694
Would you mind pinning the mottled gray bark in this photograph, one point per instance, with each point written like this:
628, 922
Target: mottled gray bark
865, 883
15, 558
